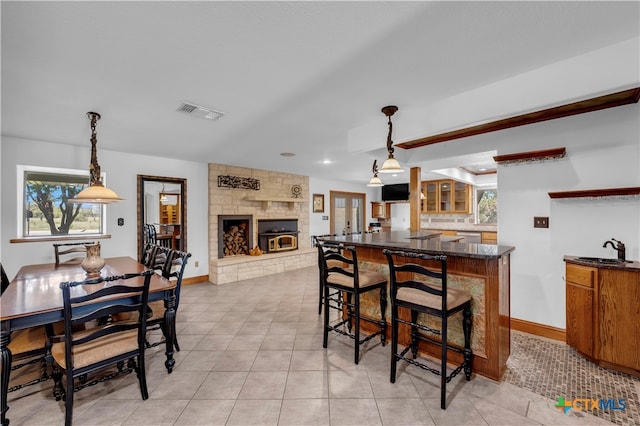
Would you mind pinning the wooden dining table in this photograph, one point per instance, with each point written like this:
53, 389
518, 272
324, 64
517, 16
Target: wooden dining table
34, 298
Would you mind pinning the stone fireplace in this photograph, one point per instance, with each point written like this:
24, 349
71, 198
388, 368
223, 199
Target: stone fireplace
247, 209
235, 235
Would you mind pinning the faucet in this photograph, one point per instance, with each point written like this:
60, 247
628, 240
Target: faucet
620, 247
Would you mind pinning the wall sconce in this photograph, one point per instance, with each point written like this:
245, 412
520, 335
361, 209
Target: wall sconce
390, 165
375, 180
96, 193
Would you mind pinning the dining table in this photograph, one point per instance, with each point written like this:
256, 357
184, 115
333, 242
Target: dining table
34, 298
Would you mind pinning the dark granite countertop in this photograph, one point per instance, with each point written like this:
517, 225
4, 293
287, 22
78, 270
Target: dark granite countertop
629, 265
422, 242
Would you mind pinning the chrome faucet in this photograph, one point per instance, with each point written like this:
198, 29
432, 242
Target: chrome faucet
620, 247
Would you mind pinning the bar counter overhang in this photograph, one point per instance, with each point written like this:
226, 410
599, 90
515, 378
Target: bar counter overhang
481, 269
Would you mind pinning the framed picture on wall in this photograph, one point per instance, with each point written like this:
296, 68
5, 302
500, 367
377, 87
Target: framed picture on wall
318, 203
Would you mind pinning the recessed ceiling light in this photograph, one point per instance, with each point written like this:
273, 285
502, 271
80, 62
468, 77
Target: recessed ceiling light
287, 154
326, 161
394, 175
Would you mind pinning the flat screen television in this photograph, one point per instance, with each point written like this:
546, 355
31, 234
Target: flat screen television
395, 192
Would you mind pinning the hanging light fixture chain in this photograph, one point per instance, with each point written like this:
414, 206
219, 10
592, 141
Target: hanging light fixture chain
94, 167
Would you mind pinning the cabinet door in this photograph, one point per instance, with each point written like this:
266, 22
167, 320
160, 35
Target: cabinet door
580, 318
619, 306
430, 191
377, 210
461, 197
446, 190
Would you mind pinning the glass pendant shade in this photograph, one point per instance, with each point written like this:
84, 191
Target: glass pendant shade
391, 165
375, 181
96, 194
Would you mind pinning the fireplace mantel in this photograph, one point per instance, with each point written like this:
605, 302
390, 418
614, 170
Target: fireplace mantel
266, 200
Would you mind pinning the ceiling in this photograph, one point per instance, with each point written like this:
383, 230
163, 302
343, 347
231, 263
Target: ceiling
290, 77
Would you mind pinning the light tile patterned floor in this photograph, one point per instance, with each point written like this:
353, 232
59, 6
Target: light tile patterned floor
252, 355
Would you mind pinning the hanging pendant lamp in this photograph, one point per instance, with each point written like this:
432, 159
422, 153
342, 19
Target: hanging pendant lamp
390, 165
96, 193
375, 180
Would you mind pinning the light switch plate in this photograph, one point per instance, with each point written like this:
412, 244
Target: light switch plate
540, 222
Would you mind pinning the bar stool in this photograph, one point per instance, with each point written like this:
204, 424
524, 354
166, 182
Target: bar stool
419, 294
316, 240
340, 273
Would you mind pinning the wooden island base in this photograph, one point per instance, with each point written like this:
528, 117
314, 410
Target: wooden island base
483, 270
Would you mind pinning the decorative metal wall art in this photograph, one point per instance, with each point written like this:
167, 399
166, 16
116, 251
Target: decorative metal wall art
226, 181
296, 191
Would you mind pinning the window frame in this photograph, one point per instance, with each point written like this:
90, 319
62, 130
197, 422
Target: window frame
21, 171
476, 201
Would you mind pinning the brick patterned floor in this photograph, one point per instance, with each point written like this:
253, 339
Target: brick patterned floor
553, 369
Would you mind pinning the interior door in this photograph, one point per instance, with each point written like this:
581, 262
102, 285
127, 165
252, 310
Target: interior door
347, 212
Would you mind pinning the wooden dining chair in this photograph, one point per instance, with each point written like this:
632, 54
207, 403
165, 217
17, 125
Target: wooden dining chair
69, 249
28, 346
78, 354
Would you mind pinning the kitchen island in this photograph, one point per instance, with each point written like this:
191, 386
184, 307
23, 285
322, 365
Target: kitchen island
481, 269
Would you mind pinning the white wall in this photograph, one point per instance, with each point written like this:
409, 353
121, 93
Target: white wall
121, 170
602, 152
317, 226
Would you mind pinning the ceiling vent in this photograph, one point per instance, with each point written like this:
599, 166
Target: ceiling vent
199, 111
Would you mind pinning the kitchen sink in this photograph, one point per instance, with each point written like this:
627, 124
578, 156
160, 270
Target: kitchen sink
601, 260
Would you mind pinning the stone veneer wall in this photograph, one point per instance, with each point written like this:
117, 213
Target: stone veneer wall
232, 201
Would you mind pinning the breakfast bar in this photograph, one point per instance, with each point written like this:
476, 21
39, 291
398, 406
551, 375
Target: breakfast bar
481, 269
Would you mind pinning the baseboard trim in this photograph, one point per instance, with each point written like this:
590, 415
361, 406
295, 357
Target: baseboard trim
539, 329
195, 280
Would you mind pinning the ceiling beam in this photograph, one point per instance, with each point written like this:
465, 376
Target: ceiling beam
588, 105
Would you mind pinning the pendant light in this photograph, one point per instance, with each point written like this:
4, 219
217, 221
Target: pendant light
163, 197
375, 180
96, 193
390, 165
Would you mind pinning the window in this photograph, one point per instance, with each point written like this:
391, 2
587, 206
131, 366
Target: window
43, 210
487, 202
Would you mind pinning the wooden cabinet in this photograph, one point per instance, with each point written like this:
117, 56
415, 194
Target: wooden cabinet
380, 210
489, 237
580, 307
618, 312
602, 315
446, 196
169, 209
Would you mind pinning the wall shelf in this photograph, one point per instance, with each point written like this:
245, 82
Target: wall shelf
526, 157
266, 200
596, 193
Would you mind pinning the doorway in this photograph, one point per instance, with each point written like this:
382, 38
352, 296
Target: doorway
347, 212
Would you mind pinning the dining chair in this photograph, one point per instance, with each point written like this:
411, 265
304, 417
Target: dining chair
78, 354
424, 290
173, 268
28, 346
154, 256
150, 233
344, 276
71, 249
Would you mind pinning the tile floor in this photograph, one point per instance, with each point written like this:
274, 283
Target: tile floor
252, 355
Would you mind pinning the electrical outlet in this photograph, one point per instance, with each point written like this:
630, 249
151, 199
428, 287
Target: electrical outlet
196, 263
540, 222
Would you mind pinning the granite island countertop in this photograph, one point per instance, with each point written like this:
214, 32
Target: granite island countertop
426, 242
